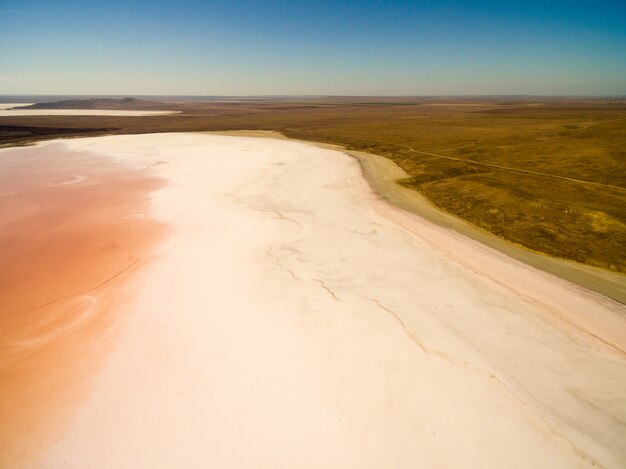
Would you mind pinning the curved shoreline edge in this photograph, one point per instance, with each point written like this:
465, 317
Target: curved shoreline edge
382, 174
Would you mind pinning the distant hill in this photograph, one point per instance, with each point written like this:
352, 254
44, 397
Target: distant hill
105, 103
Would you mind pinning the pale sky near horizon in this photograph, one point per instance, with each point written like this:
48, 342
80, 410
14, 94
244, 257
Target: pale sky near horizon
246, 47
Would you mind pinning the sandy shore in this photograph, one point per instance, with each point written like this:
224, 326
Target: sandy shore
292, 318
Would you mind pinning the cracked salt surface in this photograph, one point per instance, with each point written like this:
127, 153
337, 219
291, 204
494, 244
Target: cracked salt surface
296, 320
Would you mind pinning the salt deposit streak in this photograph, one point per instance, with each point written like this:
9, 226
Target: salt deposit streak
294, 319
7, 111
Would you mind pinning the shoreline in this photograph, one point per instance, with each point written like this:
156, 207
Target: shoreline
413, 212
382, 173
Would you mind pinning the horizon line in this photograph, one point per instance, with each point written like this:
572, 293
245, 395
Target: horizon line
130, 95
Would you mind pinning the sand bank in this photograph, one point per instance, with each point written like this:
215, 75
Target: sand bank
293, 318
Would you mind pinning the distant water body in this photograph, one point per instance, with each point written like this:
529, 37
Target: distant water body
7, 111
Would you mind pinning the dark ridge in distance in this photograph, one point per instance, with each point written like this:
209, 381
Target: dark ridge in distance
8, 132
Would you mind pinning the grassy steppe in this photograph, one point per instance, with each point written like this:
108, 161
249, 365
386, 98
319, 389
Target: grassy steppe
547, 174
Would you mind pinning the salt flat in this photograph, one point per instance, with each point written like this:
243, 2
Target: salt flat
5, 110
292, 318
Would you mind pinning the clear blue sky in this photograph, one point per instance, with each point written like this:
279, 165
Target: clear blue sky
246, 47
